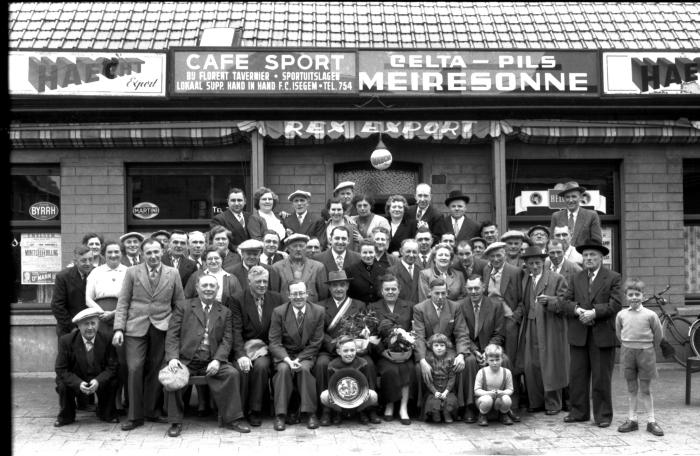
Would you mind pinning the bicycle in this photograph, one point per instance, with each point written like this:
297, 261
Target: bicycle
676, 328
694, 336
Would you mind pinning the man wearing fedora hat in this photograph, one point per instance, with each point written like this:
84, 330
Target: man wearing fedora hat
583, 223
592, 302
131, 244
301, 220
543, 355
457, 222
86, 364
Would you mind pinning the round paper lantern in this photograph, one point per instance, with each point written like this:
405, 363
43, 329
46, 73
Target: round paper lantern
381, 159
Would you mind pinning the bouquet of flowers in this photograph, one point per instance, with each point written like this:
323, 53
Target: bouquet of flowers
397, 341
360, 326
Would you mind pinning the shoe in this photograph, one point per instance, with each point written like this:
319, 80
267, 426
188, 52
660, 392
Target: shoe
362, 418
628, 426
254, 419
436, 417
292, 418
448, 418
131, 424
336, 418
279, 423
551, 412
469, 416
513, 416
157, 419
373, 417
325, 417
175, 430
312, 423
238, 426
535, 409
482, 421
405, 421
60, 422
604, 424
655, 429
573, 419
505, 419
388, 418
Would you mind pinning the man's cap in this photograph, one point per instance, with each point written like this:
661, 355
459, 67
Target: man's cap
494, 246
533, 251
338, 276
477, 239
343, 185
571, 186
135, 234
85, 314
295, 238
251, 244
303, 193
538, 227
163, 232
594, 245
513, 234
173, 381
455, 195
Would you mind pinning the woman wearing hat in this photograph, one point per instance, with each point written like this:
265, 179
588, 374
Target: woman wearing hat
441, 259
265, 201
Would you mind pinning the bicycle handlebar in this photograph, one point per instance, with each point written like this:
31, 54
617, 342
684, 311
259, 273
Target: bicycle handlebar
657, 296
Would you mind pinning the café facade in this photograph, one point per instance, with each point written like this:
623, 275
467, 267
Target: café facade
151, 136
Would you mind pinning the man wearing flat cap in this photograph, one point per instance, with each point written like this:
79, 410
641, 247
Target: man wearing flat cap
131, 245
592, 302
457, 222
345, 191
164, 237
251, 251
86, 364
301, 221
539, 235
583, 223
514, 242
296, 267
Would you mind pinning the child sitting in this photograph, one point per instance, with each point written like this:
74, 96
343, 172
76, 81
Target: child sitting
440, 399
347, 351
493, 387
639, 331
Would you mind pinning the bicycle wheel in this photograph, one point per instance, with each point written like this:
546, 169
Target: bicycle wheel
695, 338
676, 332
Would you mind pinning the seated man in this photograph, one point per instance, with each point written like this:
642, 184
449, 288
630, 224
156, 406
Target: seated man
86, 364
296, 333
199, 337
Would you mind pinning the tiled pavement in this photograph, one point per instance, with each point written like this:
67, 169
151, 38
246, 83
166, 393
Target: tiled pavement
34, 408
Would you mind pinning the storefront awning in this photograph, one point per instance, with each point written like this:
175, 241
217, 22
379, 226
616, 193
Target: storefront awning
109, 135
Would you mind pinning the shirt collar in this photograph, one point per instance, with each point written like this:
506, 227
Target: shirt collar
85, 341
406, 265
574, 213
302, 310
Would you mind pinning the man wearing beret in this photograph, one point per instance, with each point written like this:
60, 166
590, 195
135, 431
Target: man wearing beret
457, 222
86, 364
583, 223
301, 221
131, 244
592, 302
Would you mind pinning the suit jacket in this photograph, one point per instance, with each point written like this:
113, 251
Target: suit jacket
407, 229
491, 329
185, 267
511, 286
246, 324
605, 298
231, 287
68, 298
387, 260
587, 225
125, 260
477, 267
468, 230
568, 269
352, 228
313, 275
402, 314
72, 365
285, 338
365, 284
230, 261
408, 285
454, 280
450, 323
313, 224
241, 274
330, 311
229, 221
187, 327
432, 216
278, 256
139, 305
327, 258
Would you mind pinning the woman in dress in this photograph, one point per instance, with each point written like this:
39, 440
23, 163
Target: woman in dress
265, 201
220, 238
365, 273
366, 220
338, 218
400, 226
441, 257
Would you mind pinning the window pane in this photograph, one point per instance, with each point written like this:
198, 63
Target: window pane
28, 189
24, 293
691, 187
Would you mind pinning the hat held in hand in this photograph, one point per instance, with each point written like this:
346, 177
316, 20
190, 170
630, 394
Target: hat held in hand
173, 379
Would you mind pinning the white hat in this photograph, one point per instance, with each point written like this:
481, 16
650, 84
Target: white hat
251, 244
131, 234
494, 246
296, 237
513, 234
303, 193
86, 313
344, 185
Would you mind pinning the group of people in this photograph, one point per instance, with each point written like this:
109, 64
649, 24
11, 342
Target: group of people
468, 323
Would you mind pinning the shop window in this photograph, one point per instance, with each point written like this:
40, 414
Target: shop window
691, 214
182, 196
400, 179
530, 202
35, 227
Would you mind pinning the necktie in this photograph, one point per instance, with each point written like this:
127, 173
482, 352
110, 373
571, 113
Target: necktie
476, 316
492, 281
410, 270
419, 215
259, 304
425, 260
269, 259
301, 219
439, 310
89, 352
455, 226
590, 282
571, 224
339, 262
300, 319
176, 262
153, 277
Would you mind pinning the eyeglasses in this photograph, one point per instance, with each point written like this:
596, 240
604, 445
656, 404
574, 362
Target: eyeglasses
298, 294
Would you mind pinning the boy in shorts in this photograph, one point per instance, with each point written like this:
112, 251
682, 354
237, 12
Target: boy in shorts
639, 331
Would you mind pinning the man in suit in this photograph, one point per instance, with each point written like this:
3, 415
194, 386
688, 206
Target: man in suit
338, 256
489, 231
543, 356
251, 251
251, 325
164, 237
424, 238
69, 290
196, 244
424, 213
86, 364
301, 221
337, 307
465, 262
407, 271
539, 235
514, 242
583, 223
199, 338
296, 334
557, 263
457, 222
562, 234
271, 244
296, 267
177, 256
592, 302
131, 245
149, 293
234, 219
435, 315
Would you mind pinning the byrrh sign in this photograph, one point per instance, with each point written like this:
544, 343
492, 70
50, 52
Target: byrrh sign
211, 71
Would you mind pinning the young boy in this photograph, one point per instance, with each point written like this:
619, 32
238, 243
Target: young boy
493, 386
346, 349
639, 331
